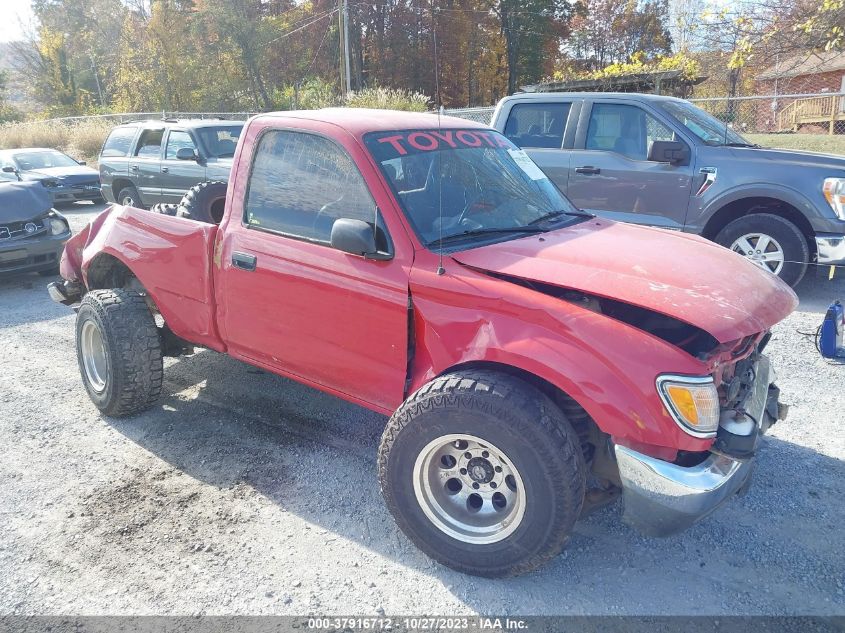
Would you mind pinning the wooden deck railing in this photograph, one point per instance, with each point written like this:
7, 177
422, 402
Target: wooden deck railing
812, 110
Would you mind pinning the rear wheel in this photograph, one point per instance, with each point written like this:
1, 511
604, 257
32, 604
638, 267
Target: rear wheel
483, 473
128, 197
119, 351
769, 241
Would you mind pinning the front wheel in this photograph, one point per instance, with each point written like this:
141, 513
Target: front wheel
483, 473
769, 241
119, 351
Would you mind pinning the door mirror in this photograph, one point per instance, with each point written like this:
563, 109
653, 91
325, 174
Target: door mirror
355, 237
82, 162
10, 170
673, 152
186, 153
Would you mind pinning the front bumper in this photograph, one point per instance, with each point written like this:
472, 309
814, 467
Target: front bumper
32, 255
830, 248
75, 193
662, 498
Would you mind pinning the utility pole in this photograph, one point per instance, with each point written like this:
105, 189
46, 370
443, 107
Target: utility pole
346, 46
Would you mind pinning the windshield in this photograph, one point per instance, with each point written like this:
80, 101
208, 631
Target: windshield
705, 126
43, 160
487, 185
220, 142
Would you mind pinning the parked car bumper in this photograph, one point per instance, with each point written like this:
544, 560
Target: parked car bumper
22, 256
68, 194
662, 498
830, 248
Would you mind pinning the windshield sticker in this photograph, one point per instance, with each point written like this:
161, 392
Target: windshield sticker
526, 164
405, 143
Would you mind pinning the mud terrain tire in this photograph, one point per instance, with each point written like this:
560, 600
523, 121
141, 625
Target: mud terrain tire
119, 351
164, 208
523, 430
204, 202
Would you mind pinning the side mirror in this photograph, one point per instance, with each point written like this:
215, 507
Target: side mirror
355, 237
82, 162
673, 152
186, 153
10, 170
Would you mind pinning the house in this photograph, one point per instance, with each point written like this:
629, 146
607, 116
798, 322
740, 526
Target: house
808, 73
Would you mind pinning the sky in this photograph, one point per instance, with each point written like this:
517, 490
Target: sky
15, 16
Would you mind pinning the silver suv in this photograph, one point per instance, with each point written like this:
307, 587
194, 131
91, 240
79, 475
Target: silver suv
147, 162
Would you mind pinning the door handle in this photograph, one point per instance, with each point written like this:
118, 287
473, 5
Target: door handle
134, 167
587, 169
244, 261
165, 170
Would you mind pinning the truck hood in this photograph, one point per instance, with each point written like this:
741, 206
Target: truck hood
680, 275
781, 157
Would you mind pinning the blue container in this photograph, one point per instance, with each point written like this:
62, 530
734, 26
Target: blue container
830, 337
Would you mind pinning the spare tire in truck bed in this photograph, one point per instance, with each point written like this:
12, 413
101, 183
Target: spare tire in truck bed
204, 202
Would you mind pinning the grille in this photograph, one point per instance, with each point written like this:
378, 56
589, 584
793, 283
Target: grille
17, 230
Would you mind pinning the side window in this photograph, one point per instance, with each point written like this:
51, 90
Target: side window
149, 145
537, 125
624, 129
301, 183
176, 140
119, 142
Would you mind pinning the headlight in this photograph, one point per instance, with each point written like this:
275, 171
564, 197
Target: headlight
834, 193
50, 184
692, 401
58, 226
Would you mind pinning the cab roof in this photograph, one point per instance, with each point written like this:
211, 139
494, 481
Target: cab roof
360, 121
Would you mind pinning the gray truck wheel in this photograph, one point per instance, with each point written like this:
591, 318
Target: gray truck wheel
128, 197
204, 202
483, 473
769, 241
119, 351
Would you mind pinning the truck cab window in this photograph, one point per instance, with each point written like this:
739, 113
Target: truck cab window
537, 125
149, 145
624, 129
301, 183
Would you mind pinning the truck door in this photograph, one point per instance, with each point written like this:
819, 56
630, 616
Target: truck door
539, 129
145, 166
290, 301
177, 176
611, 176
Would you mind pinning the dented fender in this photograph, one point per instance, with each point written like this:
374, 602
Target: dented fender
607, 366
171, 258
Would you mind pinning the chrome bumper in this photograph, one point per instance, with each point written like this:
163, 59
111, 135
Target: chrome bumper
830, 248
662, 498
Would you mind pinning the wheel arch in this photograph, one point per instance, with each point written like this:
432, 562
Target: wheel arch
759, 203
107, 271
118, 184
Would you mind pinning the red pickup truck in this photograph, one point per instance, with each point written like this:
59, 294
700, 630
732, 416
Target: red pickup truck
536, 361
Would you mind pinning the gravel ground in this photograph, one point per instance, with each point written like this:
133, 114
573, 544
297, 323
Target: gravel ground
245, 493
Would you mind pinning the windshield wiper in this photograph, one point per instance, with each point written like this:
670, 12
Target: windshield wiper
735, 144
556, 214
473, 232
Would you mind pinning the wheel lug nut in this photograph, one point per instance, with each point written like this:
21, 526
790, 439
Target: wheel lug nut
498, 469
492, 484
485, 454
463, 471
475, 485
468, 455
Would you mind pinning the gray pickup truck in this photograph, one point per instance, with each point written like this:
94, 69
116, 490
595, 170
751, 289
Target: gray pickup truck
662, 161
148, 162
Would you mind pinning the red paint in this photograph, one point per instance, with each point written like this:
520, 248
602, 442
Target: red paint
341, 322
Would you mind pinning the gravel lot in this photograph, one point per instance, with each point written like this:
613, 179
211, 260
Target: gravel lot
245, 493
